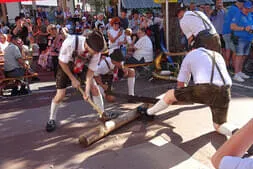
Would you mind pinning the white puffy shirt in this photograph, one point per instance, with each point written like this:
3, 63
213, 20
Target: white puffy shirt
192, 24
68, 47
229, 162
198, 64
103, 68
144, 49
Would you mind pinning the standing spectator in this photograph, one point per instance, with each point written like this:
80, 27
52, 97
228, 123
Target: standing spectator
229, 155
227, 32
135, 22
208, 10
40, 33
59, 16
67, 16
123, 19
24, 12
143, 49
217, 18
192, 6
100, 20
242, 26
21, 29
41, 13
51, 15
78, 12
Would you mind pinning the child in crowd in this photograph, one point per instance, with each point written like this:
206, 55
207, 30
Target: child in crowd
129, 41
43, 59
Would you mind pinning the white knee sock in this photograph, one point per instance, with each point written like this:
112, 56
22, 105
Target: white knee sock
130, 83
160, 105
98, 100
227, 129
53, 110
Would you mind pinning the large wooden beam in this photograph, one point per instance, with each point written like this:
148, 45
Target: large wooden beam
106, 128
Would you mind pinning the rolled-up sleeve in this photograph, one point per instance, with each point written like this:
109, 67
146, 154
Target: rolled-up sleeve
185, 71
229, 162
94, 62
66, 51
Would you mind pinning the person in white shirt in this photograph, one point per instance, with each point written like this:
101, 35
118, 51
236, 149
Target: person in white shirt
78, 56
212, 88
229, 155
115, 36
198, 29
100, 20
104, 74
3, 42
143, 49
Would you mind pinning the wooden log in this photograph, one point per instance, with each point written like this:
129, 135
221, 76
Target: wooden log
106, 128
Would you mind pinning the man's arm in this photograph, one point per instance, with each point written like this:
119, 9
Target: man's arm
89, 77
236, 146
65, 68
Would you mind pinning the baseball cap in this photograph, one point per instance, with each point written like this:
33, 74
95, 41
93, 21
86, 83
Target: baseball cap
83, 18
240, 0
247, 4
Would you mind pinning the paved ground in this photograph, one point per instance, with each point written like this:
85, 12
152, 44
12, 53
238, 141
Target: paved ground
184, 133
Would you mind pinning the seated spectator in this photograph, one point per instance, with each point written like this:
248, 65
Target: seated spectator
3, 42
143, 49
14, 65
229, 155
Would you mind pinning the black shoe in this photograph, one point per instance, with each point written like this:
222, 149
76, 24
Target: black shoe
144, 115
51, 126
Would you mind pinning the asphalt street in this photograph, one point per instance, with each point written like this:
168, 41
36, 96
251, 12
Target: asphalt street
187, 130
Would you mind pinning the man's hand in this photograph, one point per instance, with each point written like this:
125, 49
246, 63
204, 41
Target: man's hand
104, 86
75, 83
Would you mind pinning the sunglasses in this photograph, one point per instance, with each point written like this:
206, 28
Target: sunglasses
117, 23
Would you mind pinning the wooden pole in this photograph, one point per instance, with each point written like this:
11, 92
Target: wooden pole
106, 128
99, 111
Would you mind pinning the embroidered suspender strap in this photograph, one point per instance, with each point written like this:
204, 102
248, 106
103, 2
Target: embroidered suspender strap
216, 65
203, 20
75, 53
213, 63
107, 64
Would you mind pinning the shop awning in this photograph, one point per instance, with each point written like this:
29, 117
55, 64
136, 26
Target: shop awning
198, 2
8, 1
130, 4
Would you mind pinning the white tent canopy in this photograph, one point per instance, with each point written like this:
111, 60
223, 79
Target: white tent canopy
41, 3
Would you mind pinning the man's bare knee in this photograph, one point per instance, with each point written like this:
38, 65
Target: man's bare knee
169, 97
131, 73
60, 94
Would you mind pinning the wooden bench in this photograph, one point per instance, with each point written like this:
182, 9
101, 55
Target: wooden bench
138, 65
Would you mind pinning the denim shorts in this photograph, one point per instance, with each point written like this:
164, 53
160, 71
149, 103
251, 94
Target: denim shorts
243, 47
228, 42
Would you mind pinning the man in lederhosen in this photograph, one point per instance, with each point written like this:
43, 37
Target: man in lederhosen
198, 29
212, 88
78, 57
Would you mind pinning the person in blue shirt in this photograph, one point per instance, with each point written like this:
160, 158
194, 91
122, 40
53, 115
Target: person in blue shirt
226, 32
242, 25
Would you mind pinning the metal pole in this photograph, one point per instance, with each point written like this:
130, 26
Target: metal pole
119, 6
34, 7
167, 24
